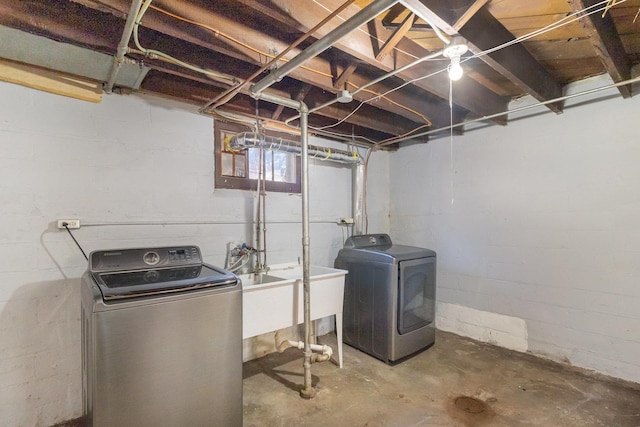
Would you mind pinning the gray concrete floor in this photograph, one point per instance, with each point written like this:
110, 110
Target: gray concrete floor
516, 390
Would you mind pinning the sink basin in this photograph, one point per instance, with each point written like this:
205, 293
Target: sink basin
275, 300
288, 273
252, 279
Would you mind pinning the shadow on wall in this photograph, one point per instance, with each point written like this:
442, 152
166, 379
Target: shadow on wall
40, 361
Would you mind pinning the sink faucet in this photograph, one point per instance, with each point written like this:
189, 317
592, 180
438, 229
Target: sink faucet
260, 268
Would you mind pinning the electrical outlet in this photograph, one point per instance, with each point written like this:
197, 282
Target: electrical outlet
346, 221
71, 223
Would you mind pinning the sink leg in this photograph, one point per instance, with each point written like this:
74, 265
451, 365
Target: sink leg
339, 336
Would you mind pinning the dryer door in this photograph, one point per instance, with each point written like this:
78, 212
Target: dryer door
416, 294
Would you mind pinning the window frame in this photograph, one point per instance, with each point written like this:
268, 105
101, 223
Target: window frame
246, 183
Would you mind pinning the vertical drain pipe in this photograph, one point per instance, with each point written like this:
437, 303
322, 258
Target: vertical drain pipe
257, 91
308, 391
123, 46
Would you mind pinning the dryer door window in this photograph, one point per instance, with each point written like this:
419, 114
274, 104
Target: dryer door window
416, 294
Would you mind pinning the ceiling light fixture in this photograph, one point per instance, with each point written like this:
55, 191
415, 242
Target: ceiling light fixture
344, 96
454, 50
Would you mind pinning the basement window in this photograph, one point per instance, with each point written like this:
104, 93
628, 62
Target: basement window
241, 169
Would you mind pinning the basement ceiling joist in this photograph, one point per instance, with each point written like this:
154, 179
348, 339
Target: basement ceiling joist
364, 46
607, 44
238, 37
483, 32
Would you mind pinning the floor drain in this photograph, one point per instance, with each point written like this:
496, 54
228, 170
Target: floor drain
470, 404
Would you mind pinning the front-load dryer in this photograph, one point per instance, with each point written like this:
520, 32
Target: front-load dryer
389, 296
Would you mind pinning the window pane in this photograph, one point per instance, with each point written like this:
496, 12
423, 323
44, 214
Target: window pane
269, 165
285, 167
240, 165
226, 167
254, 166
240, 169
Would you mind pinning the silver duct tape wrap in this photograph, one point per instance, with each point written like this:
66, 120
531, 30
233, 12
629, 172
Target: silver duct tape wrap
242, 141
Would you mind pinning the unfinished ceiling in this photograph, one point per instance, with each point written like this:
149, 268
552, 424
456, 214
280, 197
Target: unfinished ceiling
516, 48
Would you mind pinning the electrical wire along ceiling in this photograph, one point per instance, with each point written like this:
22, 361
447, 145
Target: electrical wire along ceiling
375, 72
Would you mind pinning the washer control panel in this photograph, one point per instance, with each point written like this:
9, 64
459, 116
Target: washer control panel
180, 255
144, 258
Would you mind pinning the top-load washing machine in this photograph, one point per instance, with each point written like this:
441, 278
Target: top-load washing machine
389, 296
161, 340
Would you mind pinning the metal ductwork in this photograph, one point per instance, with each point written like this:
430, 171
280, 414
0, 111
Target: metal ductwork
246, 140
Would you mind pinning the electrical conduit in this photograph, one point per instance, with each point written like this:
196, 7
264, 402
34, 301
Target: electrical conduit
123, 46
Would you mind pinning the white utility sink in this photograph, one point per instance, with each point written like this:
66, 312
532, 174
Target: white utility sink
274, 300
260, 279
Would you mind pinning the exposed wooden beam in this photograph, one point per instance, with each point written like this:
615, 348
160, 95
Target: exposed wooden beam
367, 120
395, 38
474, 98
179, 83
482, 31
463, 16
397, 113
277, 112
393, 14
300, 95
340, 82
65, 28
605, 40
318, 72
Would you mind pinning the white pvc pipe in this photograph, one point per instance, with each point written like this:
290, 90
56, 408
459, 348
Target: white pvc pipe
326, 350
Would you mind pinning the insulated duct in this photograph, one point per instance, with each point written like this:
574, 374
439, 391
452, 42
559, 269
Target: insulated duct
246, 140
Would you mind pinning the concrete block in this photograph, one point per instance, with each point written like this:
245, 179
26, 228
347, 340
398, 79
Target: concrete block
506, 331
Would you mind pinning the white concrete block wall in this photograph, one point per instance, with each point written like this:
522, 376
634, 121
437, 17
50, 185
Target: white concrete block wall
128, 159
378, 190
538, 221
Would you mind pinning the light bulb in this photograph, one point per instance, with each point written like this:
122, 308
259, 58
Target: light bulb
455, 70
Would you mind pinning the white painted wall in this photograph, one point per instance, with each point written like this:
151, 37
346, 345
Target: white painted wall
537, 230
379, 189
129, 159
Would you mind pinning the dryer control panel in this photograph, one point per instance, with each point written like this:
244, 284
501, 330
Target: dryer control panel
367, 241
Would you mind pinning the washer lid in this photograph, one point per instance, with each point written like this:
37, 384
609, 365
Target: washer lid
139, 272
139, 283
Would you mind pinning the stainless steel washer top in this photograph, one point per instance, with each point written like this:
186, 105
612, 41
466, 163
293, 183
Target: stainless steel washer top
134, 273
